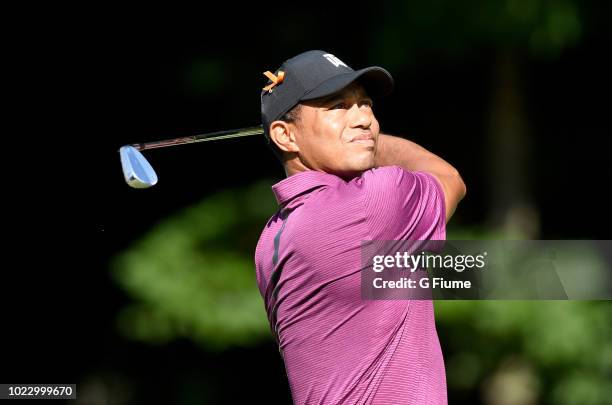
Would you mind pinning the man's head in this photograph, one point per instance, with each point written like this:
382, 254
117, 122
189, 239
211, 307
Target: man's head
334, 134
317, 114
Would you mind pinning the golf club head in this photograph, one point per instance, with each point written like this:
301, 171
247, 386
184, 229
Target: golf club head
137, 171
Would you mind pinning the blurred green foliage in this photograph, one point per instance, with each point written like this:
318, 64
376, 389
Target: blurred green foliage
564, 347
522, 352
193, 276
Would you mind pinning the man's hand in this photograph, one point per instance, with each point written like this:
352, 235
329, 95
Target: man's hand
392, 150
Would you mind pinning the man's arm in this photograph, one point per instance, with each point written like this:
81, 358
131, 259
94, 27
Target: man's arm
392, 150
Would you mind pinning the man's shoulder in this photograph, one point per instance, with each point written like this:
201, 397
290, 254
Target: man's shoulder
394, 177
349, 195
384, 177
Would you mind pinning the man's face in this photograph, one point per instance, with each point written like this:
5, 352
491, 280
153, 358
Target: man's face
338, 134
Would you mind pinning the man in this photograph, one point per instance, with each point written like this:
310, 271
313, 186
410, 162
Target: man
346, 183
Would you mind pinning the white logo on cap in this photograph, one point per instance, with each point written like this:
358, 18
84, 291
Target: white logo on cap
335, 61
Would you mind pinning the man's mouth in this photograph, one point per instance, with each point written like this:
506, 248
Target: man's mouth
366, 139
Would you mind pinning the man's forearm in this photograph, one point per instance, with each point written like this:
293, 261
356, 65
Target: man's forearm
393, 150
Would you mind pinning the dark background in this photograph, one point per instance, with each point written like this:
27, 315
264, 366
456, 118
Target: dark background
106, 78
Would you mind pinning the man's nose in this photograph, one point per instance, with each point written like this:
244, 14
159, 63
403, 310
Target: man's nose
361, 116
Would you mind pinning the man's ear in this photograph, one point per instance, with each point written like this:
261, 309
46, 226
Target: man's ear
282, 134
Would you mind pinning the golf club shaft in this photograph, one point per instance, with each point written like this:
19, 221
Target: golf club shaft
213, 136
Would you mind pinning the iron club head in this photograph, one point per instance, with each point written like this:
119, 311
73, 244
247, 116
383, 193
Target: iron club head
137, 171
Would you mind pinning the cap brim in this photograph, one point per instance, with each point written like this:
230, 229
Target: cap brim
376, 81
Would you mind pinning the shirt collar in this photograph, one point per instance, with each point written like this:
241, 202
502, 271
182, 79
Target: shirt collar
299, 183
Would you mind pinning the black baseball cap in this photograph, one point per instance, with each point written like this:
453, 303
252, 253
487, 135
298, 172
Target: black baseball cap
315, 74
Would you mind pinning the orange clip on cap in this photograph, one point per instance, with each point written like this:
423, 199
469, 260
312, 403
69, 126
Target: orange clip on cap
275, 79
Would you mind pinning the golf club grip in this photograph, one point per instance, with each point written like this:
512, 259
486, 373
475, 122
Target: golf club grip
213, 136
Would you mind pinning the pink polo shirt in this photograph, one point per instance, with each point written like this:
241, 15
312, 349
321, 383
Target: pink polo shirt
338, 348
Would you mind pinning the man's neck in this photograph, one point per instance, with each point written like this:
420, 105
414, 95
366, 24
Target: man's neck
295, 166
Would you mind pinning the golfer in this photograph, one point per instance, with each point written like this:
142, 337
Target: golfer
346, 182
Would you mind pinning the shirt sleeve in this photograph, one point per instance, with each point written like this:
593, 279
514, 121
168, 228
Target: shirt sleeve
402, 204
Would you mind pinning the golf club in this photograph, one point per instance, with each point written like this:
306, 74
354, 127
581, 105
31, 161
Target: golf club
137, 171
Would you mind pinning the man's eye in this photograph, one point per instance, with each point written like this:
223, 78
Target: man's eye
368, 103
339, 106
